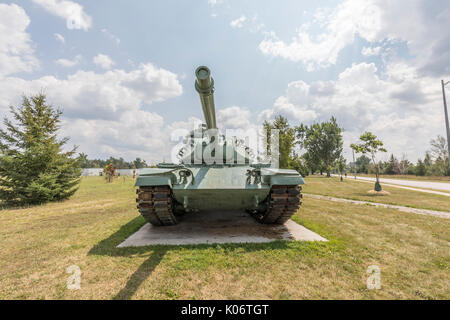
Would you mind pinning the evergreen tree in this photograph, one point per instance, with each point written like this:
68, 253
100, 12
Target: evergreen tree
420, 168
33, 167
391, 165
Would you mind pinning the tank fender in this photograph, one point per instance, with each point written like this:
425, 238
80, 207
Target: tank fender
281, 176
156, 177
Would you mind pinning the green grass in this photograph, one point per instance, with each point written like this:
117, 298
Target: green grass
356, 190
37, 244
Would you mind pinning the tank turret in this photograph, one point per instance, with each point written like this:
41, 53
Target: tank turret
204, 85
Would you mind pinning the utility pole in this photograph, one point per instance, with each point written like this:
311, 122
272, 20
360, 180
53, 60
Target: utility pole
354, 162
446, 117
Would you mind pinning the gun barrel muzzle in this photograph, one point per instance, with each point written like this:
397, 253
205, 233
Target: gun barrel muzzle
205, 88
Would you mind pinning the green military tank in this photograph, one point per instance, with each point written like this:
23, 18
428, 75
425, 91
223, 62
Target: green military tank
225, 181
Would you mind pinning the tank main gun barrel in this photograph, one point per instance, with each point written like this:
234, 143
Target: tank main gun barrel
205, 88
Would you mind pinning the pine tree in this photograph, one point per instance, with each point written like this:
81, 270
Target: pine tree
33, 167
420, 168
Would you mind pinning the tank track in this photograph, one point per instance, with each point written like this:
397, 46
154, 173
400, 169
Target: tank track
283, 203
156, 204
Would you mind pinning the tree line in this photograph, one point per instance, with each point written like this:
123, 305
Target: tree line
119, 163
318, 148
435, 163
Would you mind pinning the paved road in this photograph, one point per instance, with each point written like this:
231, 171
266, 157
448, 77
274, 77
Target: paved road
410, 183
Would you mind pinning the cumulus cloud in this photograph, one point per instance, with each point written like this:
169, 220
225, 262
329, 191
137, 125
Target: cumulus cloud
72, 12
350, 18
90, 95
105, 113
103, 61
16, 48
234, 117
239, 22
420, 28
394, 105
135, 133
69, 63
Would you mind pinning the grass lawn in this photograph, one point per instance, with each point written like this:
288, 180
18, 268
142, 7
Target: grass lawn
37, 245
356, 190
405, 177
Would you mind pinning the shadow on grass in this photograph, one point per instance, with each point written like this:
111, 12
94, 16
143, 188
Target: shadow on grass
108, 247
139, 276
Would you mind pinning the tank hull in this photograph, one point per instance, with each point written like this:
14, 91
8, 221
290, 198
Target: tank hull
218, 187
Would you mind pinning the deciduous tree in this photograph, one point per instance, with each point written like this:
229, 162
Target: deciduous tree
371, 145
322, 141
286, 139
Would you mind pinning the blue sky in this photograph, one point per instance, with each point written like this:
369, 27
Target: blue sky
122, 71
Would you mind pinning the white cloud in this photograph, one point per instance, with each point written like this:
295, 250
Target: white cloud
73, 12
239, 22
16, 49
59, 38
341, 26
111, 36
103, 61
91, 95
134, 134
418, 23
233, 118
69, 63
105, 113
399, 105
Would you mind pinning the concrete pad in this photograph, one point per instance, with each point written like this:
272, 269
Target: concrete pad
218, 227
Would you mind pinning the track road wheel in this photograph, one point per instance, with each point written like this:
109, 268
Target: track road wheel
283, 203
156, 204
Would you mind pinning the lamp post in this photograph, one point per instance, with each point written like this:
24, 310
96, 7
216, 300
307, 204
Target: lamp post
446, 116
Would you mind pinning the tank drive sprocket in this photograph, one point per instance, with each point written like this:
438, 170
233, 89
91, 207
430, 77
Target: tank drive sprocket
156, 205
282, 203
